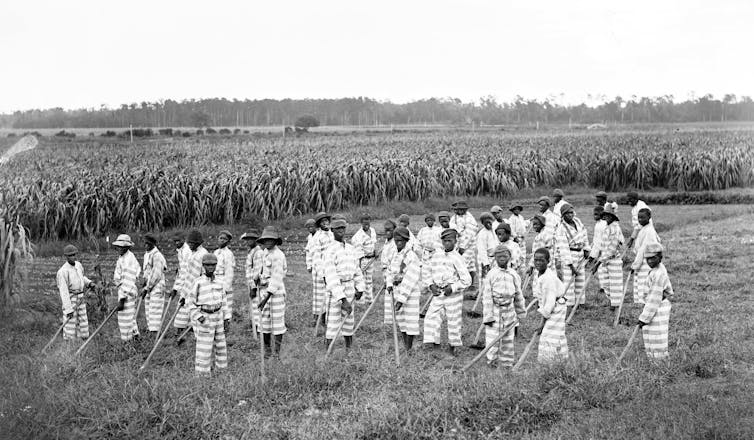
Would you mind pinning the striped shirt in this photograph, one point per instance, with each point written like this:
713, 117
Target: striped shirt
519, 225
505, 288
548, 289
515, 251
658, 283
127, 269
449, 269
321, 241
486, 242
647, 235
568, 238
308, 250
364, 242
207, 292
612, 241
253, 266
341, 267
466, 227
226, 264
597, 238
542, 240
274, 269
193, 269
70, 281
388, 251
154, 268
405, 264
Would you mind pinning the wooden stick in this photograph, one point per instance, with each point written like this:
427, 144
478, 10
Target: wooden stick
109, 315
532, 303
575, 300
630, 342
526, 351
478, 297
185, 332
251, 316
261, 348
425, 307
65, 321
159, 340
478, 334
138, 306
488, 347
622, 298
369, 309
395, 331
340, 329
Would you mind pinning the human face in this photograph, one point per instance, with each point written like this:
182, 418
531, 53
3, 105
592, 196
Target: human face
324, 224
609, 219
251, 242
632, 200
543, 206
601, 200
269, 243
516, 211
597, 216
365, 225
222, 240
449, 243
498, 215
400, 242
122, 250
429, 221
502, 259
643, 218
568, 216
209, 269
460, 211
339, 233
71, 259
193, 245
537, 225
557, 197
654, 260
502, 235
540, 263
148, 245
178, 243
444, 222
389, 229
487, 223
312, 229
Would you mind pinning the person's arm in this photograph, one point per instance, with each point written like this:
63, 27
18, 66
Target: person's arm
464, 277
411, 279
653, 300
194, 311
487, 307
562, 248
230, 271
481, 250
65, 296
332, 279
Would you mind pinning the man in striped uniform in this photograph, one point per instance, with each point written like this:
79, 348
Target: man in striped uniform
253, 269
193, 270
557, 197
519, 227
504, 238
226, 264
600, 226
154, 268
503, 304
208, 307
449, 278
610, 255
655, 316
403, 281
541, 241
320, 242
486, 242
311, 228
71, 284
127, 270
572, 247
647, 235
344, 284
636, 206
551, 220
272, 293
386, 256
465, 224
364, 241
497, 212
548, 289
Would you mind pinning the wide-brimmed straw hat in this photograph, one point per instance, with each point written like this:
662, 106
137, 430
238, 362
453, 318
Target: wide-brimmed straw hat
402, 232
545, 199
460, 204
611, 208
514, 206
310, 222
123, 240
270, 233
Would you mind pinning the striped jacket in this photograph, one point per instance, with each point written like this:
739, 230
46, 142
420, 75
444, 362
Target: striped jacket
226, 263
341, 268
502, 288
466, 226
660, 288
612, 240
193, 269
208, 292
154, 268
569, 238
253, 266
486, 242
646, 235
320, 243
70, 281
548, 289
127, 270
404, 273
274, 269
449, 269
363, 243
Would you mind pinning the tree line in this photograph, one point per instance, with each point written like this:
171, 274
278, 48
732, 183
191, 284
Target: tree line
364, 111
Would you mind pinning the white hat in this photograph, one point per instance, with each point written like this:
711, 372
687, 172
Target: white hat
123, 240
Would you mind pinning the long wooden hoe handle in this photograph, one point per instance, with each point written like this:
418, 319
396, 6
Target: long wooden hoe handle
481, 354
162, 336
628, 345
65, 321
622, 298
369, 309
526, 352
109, 315
395, 332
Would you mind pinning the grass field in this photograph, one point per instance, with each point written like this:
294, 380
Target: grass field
705, 391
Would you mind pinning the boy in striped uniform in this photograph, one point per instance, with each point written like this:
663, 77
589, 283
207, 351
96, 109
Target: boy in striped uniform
272, 293
600, 227
636, 206
610, 255
320, 242
557, 198
449, 279
311, 228
154, 268
345, 283
541, 241
503, 305
647, 235
181, 252
572, 247
504, 238
551, 220
655, 316
364, 241
404, 221
208, 307
486, 242
253, 269
548, 289
193, 270
226, 264
465, 224
403, 281
127, 270
519, 227
71, 284
497, 212
386, 256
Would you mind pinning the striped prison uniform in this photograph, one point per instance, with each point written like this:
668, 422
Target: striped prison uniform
570, 243
610, 258
71, 283
343, 278
388, 252
515, 250
600, 228
486, 242
272, 282
414, 244
551, 222
430, 241
448, 269
519, 226
182, 254
154, 281
635, 217
548, 289
543, 240
193, 265
647, 235
466, 227
127, 269
556, 208
656, 313
364, 244
503, 303
320, 242
403, 278
253, 266
224, 271
207, 298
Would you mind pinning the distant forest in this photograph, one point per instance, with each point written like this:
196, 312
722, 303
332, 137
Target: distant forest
368, 112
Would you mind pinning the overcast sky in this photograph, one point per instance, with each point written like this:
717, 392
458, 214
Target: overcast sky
76, 53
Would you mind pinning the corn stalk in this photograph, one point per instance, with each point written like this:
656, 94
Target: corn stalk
15, 251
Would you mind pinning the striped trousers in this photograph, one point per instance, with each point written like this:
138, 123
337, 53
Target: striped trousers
155, 302
576, 289
388, 311
182, 318
504, 349
319, 291
272, 316
408, 316
640, 283
553, 345
335, 313
78, 326
655, 334
367, 270
614, 288
229, 300
127, 320
254, 314
602, 278
444, 307
210, 338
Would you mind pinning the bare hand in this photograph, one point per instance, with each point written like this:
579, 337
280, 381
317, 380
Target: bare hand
461, 251
252, 292
573, 270
69, 316
398, 305
358, 294
434, 289
448, 290
346, 306
201, 319
121, 305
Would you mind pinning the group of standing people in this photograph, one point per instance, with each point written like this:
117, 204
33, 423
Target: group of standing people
452, 257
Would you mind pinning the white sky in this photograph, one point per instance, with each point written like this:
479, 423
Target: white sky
77, 53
